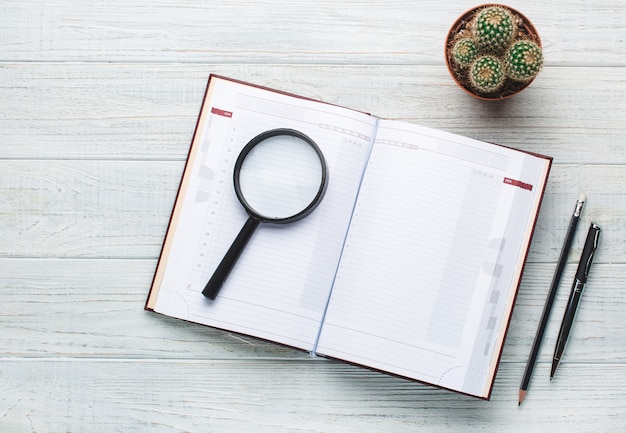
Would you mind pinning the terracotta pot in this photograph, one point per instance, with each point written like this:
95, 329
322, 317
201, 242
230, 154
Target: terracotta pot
525, 30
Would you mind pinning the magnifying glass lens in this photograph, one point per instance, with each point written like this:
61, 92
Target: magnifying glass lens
280, 177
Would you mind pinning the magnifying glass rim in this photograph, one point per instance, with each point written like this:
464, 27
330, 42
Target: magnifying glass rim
244, 153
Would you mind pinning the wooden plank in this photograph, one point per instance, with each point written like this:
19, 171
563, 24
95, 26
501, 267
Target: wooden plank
68, 207
305, 32
148, 111
94, 308
60, 395
110, 209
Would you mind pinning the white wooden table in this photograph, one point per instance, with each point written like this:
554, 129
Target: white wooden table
98, 102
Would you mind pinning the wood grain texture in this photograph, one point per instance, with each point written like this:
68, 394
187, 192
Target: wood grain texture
148, 111
112, 208
98, 102
93, 308
291, 396
303, 32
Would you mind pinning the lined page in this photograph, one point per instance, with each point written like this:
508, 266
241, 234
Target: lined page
280, 285
432, 257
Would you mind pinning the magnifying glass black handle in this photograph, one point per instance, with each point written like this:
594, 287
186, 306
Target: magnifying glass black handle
216, 282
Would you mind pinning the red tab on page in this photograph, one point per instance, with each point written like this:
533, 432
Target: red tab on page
221, 112
518, 183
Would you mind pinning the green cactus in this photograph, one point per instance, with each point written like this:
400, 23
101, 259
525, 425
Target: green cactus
494, 28
493, 51
487, 74
464, 51
523, 60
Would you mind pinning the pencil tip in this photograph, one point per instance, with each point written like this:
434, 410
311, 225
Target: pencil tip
522, 395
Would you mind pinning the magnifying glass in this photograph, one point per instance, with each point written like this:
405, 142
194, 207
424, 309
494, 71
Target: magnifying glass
280, 177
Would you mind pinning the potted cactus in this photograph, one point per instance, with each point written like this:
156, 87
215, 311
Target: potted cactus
493, 52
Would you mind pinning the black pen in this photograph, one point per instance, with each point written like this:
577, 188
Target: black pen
556, 279
589, 250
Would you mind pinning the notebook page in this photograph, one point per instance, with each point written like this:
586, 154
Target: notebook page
433, 255
279, 287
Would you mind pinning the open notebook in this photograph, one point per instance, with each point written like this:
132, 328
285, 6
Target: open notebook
410, 264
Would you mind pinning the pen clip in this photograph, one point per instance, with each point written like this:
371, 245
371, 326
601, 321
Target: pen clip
589, 251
